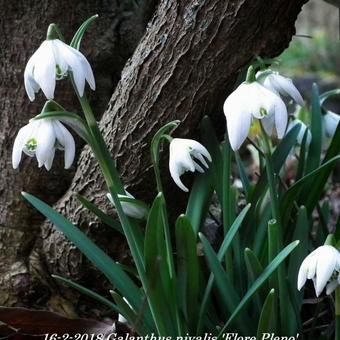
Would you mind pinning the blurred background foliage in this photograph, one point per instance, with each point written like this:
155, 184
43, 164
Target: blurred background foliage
315, 50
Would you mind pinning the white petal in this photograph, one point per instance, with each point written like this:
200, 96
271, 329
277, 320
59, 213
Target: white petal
20, 140
45, 142
66, 140
176, 171
44, 71
331, 121
268, 124
238, 118
286, 87
31, 85
78, 64
197, 148
198, 167
49, 161
201, 159
281, 117
324, 271
302, 276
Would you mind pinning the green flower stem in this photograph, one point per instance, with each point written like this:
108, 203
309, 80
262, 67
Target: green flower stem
226, 198
281, 273
271, 177
337, 313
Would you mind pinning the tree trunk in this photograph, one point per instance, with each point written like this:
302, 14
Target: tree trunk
183, 68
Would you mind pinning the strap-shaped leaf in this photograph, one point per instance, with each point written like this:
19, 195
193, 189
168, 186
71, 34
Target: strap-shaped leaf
268, 317
223, 249
108, 220
314, 153
272, 266
101, 260
187, 270
88, 292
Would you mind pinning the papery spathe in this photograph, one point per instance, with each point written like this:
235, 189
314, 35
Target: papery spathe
51, 61
183, 153
40, 138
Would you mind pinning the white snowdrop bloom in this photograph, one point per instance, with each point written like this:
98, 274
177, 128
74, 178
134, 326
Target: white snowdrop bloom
331, 121
130, 209
40, 138
302, 131
320, 266
182, 154
280, 85
51, 61
249, 101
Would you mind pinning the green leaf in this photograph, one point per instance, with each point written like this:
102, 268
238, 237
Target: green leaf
317, 177
76, 40
159, 285
132, 318
226, 290
272, 266
302, 157
268, 317
223, 249
88, 292
254, 269
232, 232
100, 214
199, 199
188, 270
101, 260
301, 233
209, 139
314, 153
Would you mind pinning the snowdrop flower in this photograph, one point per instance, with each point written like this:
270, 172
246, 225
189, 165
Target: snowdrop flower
280, 85
130, 209
41, 138
302, 131
331, 121
51, 61
320, 266
182, 154
249, 101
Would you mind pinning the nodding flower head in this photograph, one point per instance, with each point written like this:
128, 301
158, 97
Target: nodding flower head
53, 60
249, 101
322, 266
40, 138
184, 154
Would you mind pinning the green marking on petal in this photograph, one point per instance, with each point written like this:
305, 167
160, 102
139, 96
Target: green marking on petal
263, 112
31, 145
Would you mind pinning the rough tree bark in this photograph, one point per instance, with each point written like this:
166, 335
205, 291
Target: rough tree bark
183, 68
